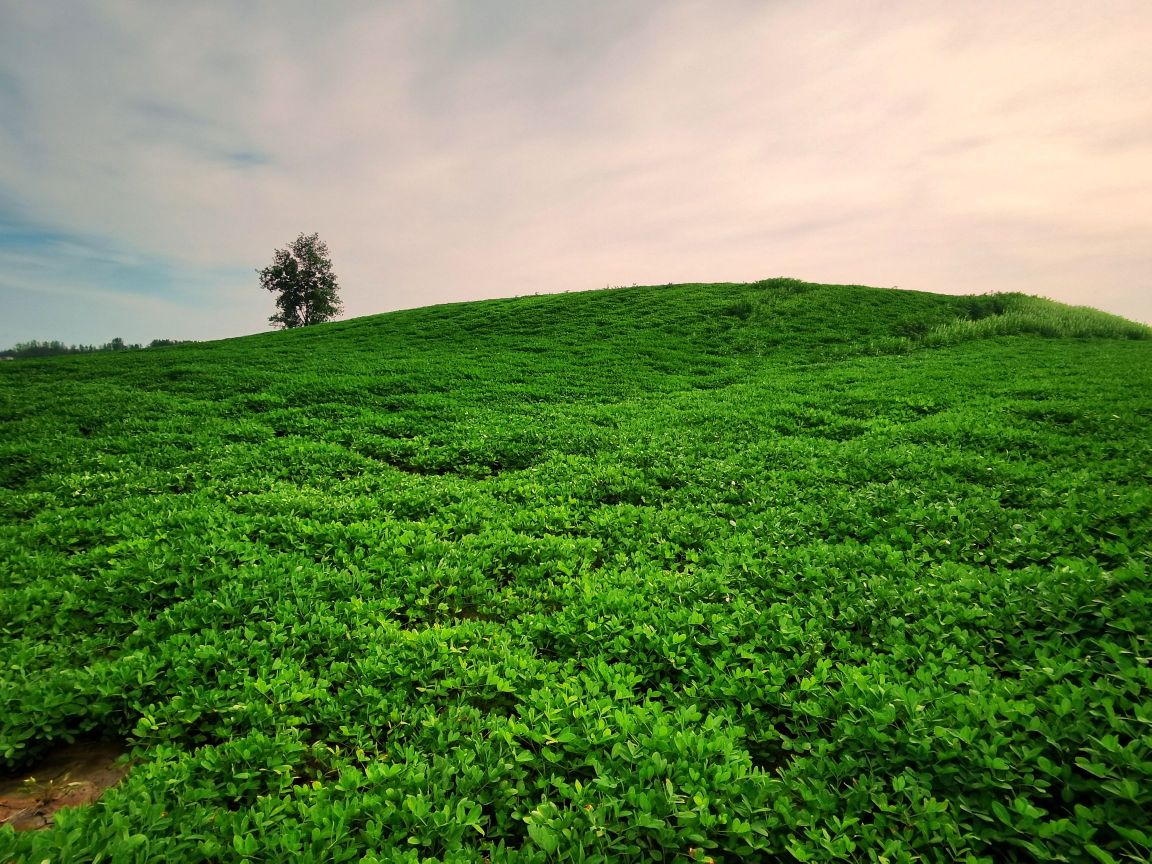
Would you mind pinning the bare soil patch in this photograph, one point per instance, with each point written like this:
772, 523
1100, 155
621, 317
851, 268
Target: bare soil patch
67, 776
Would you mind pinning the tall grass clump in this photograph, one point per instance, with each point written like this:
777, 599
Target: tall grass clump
1018, 314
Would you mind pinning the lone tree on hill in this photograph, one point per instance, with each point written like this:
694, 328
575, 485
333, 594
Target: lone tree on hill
302, 277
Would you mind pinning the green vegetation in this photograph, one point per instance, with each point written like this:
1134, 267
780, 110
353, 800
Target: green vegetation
301, 276
767, 572
55, 347
1023, 314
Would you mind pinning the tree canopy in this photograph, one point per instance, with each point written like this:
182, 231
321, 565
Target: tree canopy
301, 275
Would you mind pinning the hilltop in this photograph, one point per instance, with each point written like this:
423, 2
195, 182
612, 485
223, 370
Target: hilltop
768, 571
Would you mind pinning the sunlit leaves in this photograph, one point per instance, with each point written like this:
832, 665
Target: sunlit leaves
608, 577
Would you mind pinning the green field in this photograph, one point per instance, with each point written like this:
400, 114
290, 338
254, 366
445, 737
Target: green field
763, 572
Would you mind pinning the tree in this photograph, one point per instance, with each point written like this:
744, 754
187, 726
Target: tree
302, 277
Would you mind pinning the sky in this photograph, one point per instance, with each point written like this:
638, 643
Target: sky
154, 154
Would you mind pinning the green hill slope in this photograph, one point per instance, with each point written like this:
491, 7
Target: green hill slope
751, 572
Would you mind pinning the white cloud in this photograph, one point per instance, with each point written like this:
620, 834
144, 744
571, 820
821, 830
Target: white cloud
448, 151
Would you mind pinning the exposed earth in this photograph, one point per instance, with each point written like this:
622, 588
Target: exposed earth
69, 776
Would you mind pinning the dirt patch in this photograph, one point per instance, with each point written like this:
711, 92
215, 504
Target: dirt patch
68, 776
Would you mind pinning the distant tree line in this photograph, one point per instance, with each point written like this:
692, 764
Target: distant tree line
55, 347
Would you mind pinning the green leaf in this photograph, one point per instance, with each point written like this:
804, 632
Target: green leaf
1099, 854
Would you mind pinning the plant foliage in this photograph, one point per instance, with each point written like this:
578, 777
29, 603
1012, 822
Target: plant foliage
682, 573
55, 347
302, 278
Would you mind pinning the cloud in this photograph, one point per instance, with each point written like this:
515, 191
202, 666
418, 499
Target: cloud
55, 284
451, 150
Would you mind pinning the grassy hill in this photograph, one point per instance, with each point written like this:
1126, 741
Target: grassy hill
763, 572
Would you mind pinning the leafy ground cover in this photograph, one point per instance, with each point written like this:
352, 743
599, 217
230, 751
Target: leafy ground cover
765, 572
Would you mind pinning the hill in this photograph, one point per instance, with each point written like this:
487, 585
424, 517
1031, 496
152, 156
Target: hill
764, 572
